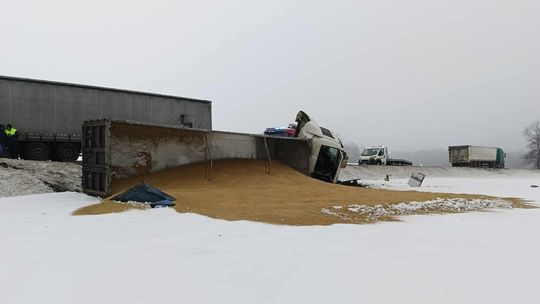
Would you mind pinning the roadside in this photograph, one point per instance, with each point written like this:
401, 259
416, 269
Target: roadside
23, 177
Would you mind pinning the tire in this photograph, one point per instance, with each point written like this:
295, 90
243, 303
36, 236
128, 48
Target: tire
67, 152
37, 151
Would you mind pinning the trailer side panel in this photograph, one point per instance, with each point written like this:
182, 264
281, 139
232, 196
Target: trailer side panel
137, 149
482, 154
35, 106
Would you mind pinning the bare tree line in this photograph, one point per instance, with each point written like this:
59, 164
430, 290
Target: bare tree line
532, 135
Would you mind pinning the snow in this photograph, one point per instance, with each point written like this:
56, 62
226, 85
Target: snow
160, 256
16, 182
439, 205
494, 186
145, 205
24, 177
379, 172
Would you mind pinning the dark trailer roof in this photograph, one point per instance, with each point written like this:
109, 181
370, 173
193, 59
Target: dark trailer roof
99, 88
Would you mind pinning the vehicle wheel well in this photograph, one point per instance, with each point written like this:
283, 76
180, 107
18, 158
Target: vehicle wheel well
67, 152
36, 150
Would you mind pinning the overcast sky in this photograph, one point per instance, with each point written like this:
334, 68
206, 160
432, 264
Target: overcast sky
409, 74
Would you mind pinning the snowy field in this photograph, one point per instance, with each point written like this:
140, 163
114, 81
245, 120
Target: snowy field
494, 186
374, 172
160, 256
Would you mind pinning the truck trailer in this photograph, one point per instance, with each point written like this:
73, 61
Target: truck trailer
114, 150
49, 115
476, 156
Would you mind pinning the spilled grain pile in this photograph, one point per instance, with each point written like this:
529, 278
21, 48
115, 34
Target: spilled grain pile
242, 190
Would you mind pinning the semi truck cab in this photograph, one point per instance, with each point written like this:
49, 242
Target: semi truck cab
327, 154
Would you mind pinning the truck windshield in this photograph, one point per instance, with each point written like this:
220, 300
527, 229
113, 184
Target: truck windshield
370, 151
328, 163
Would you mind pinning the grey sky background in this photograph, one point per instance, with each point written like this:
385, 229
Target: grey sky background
408, 74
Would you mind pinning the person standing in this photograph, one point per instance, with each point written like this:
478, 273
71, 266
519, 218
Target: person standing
12, 140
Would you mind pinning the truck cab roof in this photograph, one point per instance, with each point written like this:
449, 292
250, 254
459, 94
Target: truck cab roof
309, 128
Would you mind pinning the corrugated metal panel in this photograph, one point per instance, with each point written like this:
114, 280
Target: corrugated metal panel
91, 104
4, 100
482, 153
62, 109
35, 106
49, 118
4, 88
19, 101
77, 109
146, 113
73, 85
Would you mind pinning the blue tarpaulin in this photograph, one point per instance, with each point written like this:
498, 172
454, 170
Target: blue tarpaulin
146, 193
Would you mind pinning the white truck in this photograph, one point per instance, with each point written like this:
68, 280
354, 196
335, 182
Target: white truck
378, 155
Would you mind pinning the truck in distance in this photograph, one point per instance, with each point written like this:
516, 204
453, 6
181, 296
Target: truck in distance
378, 155
476, 156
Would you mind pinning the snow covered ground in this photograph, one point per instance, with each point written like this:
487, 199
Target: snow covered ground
24, 177
495, 186
374, 172
160, 256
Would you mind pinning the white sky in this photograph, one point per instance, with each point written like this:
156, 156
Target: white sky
409, 74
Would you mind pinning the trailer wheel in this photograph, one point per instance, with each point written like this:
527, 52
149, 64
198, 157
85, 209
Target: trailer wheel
37, 151
67, 152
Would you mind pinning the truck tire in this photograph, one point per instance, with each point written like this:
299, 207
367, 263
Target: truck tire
37, 151
67, 152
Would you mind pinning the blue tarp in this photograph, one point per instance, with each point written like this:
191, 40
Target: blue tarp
145, 193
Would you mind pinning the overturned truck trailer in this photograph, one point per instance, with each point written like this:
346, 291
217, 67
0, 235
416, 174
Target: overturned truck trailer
114, 149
